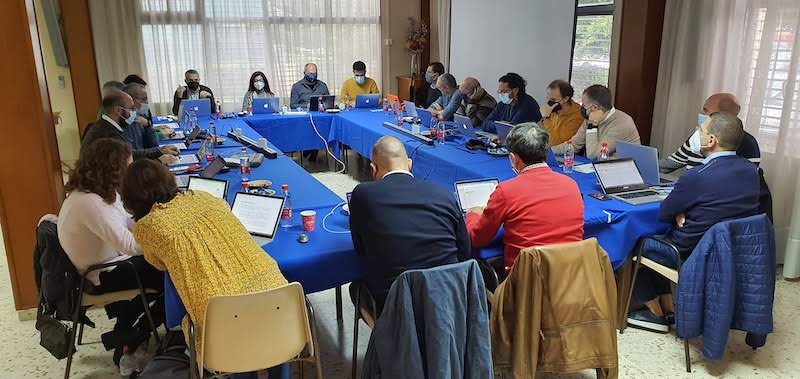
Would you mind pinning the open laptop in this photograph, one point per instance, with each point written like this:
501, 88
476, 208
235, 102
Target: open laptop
410, 108
192, 136
266, 105
424, 116
372, 100
216, 187
620, 179
201, 106
259, 214
209, 172
646, 159
475, 193
190, 159
464, 126
503, 128
329, 101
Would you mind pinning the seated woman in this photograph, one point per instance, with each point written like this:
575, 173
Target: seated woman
94, 228
258, 89
196, 239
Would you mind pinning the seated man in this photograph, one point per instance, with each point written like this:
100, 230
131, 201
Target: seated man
395, 229
446, 105
109, 87
562, 116
513, 104
724, 187
476, 103
116, 123
604, 124
304, 89
193, 90
538, 207
359, 84
435, 69
141, 131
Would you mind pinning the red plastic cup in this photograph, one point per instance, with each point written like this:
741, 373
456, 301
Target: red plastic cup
309, 219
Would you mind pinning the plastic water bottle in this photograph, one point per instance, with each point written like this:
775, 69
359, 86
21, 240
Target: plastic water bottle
209, 149
212, 130
569, 157
219, 110
194, 117
434, 128
385, 106
244, 165
250, 106
346, 103
321, 106
127, 364
441, 131
286, 214
603, 152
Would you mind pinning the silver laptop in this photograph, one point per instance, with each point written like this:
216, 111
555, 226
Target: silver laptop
190, 159
216, 187
620, 179
646, 159
503, 128
475, 193
260, 214
410, 108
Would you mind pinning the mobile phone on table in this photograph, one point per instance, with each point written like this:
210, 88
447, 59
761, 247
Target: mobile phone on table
600, 196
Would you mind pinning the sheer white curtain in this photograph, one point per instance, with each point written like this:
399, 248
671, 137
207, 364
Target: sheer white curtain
752, 49
227, 40
443, 20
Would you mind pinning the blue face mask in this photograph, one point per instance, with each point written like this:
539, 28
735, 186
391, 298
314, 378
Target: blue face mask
701, 118
131, 118
504, 98
144, 109
360, 79
311, 77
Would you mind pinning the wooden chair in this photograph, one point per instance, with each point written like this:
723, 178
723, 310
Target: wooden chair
253, 332
366, 312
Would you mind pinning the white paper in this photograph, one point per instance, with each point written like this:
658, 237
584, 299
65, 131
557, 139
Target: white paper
258, 214
586, 168
179, 146
475, 194
215, 187
172, 125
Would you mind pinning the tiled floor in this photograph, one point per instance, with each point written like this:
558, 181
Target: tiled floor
642, 354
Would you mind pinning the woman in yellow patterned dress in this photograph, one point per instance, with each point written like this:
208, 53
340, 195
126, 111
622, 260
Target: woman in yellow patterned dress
196, 239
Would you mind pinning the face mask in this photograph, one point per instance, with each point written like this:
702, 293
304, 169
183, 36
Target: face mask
701, 118
259, 85
193, 86
512, 166
429, 77
504, 98
584, 113
360, 79
144, 109
557, 106
696, 144
311, 77
131, 118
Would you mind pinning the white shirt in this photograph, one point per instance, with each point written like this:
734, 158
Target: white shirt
398, 172
533, 166
109, 119
92, 231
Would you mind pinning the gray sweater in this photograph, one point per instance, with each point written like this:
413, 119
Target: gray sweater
617, 126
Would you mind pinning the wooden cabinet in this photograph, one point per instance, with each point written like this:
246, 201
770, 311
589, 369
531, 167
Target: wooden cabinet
405, 89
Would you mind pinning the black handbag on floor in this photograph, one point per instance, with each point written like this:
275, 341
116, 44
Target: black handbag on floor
54, 335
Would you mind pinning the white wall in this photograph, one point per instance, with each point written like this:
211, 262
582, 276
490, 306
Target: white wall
530, 37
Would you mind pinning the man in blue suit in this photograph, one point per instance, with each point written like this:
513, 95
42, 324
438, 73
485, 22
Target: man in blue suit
724, 187
399, 223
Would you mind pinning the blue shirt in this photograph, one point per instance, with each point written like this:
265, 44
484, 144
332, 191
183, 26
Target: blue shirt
717, 155
525, 109
449, 104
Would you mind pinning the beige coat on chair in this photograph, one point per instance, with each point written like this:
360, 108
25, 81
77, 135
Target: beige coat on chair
556, 312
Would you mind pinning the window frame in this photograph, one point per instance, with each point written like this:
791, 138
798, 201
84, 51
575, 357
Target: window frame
591, 10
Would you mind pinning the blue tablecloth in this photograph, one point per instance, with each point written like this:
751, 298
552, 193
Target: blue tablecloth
293, 132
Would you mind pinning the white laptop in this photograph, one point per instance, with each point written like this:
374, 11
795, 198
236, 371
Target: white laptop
620, 179
475, 193
259, 214
646, 159
190, 159
216, 187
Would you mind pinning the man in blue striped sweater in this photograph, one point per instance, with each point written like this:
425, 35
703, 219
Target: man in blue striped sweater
724, 187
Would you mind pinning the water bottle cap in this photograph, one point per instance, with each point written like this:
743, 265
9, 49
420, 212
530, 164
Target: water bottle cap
245, 185
244, 148
605, 144
284, 187
125, 349
569, 141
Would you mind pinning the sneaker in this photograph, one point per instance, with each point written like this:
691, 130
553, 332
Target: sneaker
670, 316
645, 319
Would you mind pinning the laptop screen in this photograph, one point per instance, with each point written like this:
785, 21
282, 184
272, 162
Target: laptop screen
475, 193
619, 175
215, 187
258, 213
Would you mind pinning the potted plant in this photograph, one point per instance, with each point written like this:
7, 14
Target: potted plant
416, 39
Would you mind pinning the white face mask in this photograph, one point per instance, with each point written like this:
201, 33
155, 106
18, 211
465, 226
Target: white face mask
694, 143
513, 168
701, 118
259, 85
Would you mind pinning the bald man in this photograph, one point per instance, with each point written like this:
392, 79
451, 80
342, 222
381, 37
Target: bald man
399, 223
688, 155
115, 122
476, 103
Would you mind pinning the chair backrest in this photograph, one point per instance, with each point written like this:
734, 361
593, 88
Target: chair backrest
252, 332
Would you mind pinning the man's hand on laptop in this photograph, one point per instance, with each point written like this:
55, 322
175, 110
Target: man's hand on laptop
477, 210
169, 150
168, 159
680, 220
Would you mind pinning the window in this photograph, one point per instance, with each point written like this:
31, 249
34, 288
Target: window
227, 40
591, 56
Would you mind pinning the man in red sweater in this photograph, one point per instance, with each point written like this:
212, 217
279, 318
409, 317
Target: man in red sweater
538, 207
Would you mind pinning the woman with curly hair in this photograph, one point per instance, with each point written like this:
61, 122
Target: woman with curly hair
94, 228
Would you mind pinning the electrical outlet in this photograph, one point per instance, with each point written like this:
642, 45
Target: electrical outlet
62, 82
388, 42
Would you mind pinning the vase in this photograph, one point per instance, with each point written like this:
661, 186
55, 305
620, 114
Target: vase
415, 57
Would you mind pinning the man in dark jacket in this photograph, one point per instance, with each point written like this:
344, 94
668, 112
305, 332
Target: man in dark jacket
513, 104
193, 90
724, 187
476, 103
116, 123
432, 74
399, 223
